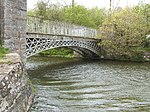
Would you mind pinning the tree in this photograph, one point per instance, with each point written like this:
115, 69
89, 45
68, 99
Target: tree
144, 9
55, 12
125, 32
73, 3
85, 17
41, 9
96, 16
77, 15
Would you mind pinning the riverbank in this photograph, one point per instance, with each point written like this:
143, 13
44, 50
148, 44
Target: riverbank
142, 55
144, 58
58, 52
15, 88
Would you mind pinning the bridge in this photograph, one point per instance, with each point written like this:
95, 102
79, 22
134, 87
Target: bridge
30, 35
45, 34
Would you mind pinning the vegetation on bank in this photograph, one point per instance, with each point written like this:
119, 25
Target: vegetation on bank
123, 31
61, 52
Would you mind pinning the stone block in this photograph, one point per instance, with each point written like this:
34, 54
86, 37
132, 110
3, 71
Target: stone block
15, 91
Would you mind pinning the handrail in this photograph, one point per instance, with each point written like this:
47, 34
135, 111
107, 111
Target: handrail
40, 25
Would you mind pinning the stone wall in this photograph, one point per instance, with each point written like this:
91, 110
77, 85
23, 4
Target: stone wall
13, 24
16, 92
1, 20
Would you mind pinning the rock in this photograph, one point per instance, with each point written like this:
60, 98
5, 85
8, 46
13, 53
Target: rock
15, 92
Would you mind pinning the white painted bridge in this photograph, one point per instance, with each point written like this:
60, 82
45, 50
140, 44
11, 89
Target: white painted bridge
44, 35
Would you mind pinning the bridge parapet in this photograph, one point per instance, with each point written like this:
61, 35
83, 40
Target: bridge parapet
38, 25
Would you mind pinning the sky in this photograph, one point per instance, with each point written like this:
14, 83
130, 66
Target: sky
91, 3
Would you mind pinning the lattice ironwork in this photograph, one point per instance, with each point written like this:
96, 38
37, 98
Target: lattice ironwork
40, 42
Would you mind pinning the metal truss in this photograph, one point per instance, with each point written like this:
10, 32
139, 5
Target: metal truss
36, 43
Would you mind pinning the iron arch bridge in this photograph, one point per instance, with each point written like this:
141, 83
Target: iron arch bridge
44, 35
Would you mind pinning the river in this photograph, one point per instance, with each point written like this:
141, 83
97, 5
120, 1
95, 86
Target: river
75, 85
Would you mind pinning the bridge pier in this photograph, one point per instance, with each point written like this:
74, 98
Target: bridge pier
13, 25
15, 87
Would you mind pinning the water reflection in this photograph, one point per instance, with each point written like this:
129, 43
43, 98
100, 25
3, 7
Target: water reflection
71, 85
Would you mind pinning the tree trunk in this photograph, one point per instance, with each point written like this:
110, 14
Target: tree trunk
73, 3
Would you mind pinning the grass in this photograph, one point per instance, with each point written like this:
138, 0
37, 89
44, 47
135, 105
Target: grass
141, 49
3, 51
58, 52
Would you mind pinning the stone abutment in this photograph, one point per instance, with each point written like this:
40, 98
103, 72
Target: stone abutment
16, 91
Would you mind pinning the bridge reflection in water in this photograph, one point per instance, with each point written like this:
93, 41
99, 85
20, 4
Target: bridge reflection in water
44, 34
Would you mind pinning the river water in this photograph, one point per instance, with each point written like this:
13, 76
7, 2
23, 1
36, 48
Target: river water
73, 85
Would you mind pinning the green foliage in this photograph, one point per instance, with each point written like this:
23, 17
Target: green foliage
97, 17
77, 14
33, 89
144, 9
142, 49
55, 13
126, 29
63, 52
123, 32
51, 12
3, 51
83, 16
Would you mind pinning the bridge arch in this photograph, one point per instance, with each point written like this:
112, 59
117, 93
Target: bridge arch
36, 43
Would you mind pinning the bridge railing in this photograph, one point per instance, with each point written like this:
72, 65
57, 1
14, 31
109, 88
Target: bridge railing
38, 25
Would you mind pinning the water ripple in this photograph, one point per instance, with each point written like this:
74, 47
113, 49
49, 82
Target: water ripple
86, 86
